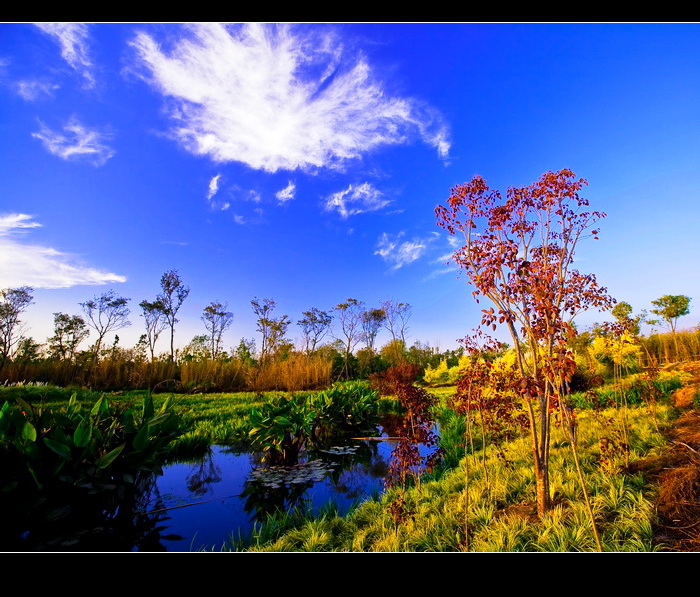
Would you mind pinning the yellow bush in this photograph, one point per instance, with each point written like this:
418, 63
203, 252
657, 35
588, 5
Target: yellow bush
623, 351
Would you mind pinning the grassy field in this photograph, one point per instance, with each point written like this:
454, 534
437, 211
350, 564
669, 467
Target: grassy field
486, 503
481, 498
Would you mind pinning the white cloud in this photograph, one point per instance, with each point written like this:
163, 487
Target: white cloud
73, 41
14, 222
213, 190
41, 267
399, 253
446, 260
76, 142
34, 89
239, 219
275, 97
213, 186
356, 199
246, 194
454, 243
286, 193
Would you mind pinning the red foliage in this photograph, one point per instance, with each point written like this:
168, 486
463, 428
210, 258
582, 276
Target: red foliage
417, 425
519, 253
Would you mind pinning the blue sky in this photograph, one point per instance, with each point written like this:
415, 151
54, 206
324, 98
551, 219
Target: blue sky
303, 162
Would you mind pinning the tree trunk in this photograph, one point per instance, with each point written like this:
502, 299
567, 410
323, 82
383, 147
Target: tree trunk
542, 486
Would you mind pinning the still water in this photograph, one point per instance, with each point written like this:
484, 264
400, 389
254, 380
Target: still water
201, 505
204, 504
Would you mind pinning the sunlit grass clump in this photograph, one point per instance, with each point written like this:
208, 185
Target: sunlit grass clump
487, 503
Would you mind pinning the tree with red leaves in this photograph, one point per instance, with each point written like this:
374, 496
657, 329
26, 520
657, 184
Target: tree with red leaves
519, 254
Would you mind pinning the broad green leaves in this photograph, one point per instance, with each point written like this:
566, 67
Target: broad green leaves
93, 448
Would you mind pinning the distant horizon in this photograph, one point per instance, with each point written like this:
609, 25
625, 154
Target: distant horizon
303, 162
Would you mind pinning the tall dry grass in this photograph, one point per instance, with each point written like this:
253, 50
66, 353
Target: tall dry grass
662, 349
298, 372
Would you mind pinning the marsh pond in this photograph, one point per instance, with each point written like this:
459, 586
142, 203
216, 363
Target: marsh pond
205, 504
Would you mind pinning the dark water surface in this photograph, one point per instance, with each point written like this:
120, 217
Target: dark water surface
201, 505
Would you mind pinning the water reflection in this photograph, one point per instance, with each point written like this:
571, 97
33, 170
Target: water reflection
202, 504
78, 521
232, 492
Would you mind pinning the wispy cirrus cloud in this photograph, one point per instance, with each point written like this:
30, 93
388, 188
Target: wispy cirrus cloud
356, 199
76, 142
213, 190
446, 260
279, 97
23, 264
73, 39
397, 252
286, 193
34, 89
213, 186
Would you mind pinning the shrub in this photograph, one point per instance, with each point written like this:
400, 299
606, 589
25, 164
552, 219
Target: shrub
348, 407
281, 429
89, 449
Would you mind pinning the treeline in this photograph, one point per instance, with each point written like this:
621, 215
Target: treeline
620, 344
339, 343
661, 349
127, 369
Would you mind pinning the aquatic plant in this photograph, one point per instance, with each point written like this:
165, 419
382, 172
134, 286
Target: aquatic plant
54, 460
281, 428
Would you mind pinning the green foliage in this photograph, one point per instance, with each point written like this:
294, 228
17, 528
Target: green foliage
283, 427
670, 308
93, 449
343, 408
635, 390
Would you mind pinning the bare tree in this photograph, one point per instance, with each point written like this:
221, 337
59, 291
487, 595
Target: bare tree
106, 313
396, 320
350, 318
216, 320
371, 321
13, 301
173, 295
153, 313
314, 325
272, 329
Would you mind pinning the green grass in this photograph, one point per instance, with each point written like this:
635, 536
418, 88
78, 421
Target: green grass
475, 503
474, 506
219, 418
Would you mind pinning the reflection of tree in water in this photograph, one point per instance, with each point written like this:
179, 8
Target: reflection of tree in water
352, 465
201, 478
274, 489
414, 428
280, 488
79, 521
